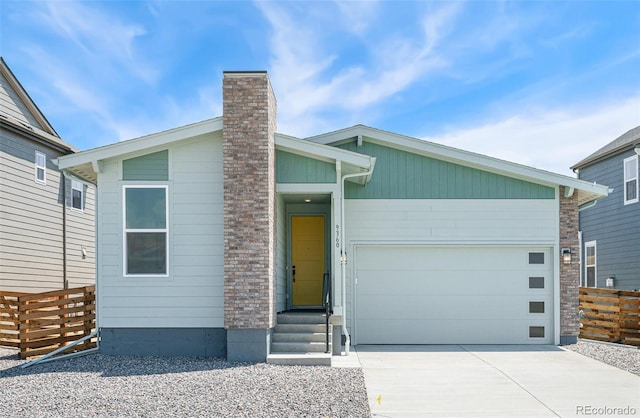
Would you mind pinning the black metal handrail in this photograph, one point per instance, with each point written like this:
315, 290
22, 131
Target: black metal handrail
326, 301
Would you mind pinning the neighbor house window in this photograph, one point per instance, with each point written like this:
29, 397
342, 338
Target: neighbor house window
41, 168
145, 231
631, 180
77, 195
590, 265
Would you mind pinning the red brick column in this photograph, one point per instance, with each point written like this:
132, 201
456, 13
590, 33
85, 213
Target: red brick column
249, 124
569, 273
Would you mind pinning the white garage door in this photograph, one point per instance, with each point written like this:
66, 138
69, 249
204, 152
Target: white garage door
453, 295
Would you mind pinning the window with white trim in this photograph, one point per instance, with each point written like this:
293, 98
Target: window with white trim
631, 180
77, 195
146, 230
41, 168
590, 273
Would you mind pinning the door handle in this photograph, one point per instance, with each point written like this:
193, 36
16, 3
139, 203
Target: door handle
293, 273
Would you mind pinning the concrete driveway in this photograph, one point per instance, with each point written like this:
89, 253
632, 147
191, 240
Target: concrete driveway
494, 381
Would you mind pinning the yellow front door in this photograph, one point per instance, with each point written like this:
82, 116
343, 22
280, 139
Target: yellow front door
307, 259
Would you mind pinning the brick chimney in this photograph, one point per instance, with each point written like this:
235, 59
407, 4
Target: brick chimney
249, 124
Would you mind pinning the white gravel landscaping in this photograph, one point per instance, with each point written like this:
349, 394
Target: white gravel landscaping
625, 357
104, 386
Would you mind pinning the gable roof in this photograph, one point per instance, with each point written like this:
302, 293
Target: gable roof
18, 112
628, 139
586, 191
87, 164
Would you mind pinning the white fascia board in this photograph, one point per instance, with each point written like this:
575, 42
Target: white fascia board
322, 152
458, 156
138, 144
293, 188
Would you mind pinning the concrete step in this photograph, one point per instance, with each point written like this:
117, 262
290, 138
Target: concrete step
298, 359
300, 328
293, 337
298, 347
301, 318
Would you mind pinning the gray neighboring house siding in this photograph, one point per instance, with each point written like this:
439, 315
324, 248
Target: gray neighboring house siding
614, 226
41, 247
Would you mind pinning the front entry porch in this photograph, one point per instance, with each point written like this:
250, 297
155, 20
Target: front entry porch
304, 331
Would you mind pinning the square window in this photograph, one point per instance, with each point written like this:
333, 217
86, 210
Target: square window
536, 282
536, 307
536, 258
146, 253
536, 332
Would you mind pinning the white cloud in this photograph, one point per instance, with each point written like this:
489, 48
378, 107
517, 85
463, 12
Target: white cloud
102, 38
357, 15
299, 69
552, 140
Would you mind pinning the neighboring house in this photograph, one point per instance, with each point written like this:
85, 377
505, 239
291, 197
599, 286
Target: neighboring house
47, 222
611, 229
207, 231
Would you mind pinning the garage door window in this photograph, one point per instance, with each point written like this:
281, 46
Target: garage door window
536, 282
536, 258
536, 332
536, 307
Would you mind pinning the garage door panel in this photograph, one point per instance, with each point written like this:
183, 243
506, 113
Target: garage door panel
447, 295
408, 258
431, 331
455, 306
477, 283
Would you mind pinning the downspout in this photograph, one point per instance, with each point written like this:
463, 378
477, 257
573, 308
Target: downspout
65, 282
343, 258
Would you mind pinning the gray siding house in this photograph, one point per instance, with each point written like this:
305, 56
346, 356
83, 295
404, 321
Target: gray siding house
223, 238
611, 229
47, 220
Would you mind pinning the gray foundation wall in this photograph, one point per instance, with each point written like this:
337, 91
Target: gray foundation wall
164, 342
252, 345
568, 339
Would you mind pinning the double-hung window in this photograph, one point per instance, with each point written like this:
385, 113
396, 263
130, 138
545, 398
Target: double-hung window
631, 180
591, 264
77, 195
41, 168
146, 230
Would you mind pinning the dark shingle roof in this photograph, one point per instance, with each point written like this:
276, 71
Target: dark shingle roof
626, 140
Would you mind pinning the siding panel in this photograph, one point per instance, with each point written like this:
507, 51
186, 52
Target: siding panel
292, 168
31, 227
613, 225
403, 175
192, 295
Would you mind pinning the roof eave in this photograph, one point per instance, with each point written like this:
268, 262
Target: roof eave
590, 160
590, 191
24, 96
94, 156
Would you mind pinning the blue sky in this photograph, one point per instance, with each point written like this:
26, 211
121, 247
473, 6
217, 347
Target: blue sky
541, 83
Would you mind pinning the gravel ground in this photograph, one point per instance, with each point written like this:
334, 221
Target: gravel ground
624, 357
103, 386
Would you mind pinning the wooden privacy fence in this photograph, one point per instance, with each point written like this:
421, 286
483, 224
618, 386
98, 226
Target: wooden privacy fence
39, 323
610, 315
